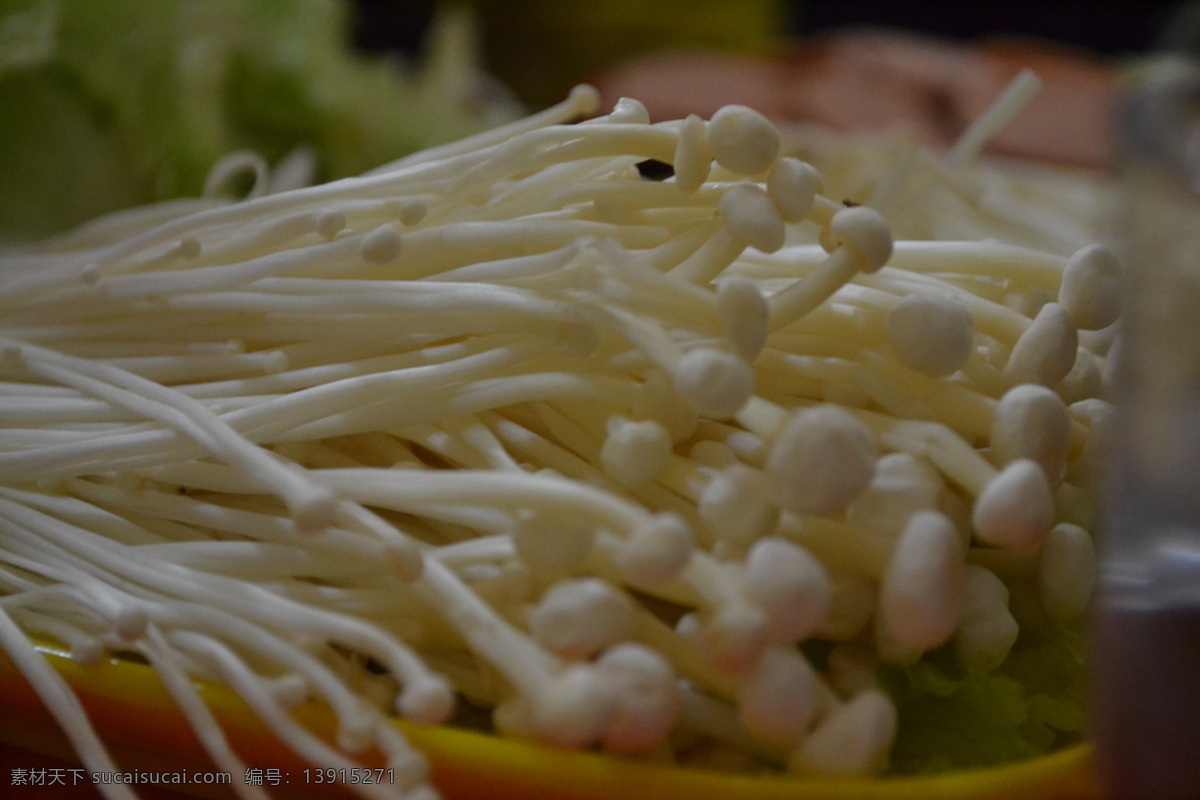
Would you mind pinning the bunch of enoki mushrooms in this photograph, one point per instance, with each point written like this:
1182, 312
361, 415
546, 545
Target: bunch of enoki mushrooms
509, 425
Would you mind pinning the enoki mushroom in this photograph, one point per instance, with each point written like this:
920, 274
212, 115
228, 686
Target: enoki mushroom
508, 424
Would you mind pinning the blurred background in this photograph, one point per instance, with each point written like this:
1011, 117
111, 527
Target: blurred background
540, 46
107, 105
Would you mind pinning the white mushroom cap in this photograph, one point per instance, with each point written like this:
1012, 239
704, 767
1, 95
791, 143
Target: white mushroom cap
821, 460
742, 140
855, 739
922, 593
1016, 508
780, 697
1091, 287
932, 332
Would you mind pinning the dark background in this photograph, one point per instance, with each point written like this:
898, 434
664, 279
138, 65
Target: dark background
539, 48
1107, 28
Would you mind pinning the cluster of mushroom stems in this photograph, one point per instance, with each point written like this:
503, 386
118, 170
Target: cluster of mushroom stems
507, 423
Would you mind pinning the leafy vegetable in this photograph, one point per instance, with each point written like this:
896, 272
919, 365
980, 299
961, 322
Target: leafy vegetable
133, 102
953, 720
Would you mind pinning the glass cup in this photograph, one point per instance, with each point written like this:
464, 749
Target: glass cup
1147, 620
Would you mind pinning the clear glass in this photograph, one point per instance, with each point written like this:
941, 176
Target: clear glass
1147, 631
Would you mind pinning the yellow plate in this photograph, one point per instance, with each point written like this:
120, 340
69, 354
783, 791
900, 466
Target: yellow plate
138, 721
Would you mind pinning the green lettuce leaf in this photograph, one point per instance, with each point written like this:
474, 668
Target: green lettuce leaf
1034, 703
125, 103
